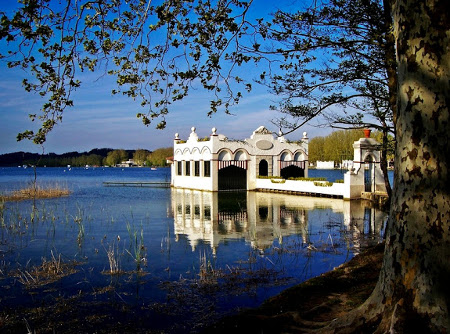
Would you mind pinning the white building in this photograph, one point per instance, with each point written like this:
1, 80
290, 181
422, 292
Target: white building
264, 163
347, 164
216, 163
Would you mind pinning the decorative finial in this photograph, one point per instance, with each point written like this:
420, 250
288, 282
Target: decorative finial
305, 135
193, 129
214, 130
177, 136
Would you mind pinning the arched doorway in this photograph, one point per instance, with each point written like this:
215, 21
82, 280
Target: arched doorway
232, 178
263, 168
292, 171
232, 174
369, 174
292, 168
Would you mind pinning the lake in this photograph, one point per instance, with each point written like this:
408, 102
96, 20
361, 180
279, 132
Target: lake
162, 259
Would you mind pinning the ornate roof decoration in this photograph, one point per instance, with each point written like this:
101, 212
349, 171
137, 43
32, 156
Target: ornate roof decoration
262, 130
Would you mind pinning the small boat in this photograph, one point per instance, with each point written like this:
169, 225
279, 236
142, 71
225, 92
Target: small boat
153, 168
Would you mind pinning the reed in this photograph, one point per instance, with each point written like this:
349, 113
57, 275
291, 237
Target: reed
136, 248
78, 220
114, 258
49, 271
208, 274
35, 192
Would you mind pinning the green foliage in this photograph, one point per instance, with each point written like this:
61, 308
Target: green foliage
316, 149
140, 157
54, 160
159, 156
115, 157
336, 147
156, 53
308, 178
323, 184
337, 59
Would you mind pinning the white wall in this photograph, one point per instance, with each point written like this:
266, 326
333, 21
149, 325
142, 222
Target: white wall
337, 189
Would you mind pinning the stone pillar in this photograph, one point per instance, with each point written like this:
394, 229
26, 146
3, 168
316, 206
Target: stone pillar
365, 176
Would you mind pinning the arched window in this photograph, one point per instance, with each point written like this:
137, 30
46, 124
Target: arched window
224, 155
263, 168
285, 157
299, 156
240, 155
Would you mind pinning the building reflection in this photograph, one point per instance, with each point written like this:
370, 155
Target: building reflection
260, 218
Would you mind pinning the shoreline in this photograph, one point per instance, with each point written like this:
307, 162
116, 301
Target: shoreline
307, 305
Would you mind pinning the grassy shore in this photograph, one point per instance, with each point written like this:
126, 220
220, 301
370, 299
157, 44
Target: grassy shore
308, 306
34, 193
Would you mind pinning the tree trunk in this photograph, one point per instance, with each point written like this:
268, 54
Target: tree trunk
413, 281
413, 293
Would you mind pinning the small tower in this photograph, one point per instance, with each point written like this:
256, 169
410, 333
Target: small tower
365, 176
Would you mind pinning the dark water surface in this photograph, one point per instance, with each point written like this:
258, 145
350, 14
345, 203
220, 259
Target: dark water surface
185, 257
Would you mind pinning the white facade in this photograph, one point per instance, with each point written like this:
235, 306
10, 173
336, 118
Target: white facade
363, 180
216, 163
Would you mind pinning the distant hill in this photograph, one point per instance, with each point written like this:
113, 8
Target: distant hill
93, 157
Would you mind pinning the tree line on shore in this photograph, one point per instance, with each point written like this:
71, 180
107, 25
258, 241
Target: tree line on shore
95, 157
338, 145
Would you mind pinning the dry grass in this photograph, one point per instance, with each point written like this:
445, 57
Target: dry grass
35, 193
48, 272
114, 259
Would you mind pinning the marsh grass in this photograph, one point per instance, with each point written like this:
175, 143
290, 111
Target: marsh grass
49, 271
35, 192
197, 297
137, 248
114, 257
242, 278
78, 219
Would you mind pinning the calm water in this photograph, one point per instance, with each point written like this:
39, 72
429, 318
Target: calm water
182, 254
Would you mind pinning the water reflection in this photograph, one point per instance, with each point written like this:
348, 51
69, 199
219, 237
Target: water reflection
264, 218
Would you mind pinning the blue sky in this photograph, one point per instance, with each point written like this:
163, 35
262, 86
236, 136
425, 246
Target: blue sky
100, 119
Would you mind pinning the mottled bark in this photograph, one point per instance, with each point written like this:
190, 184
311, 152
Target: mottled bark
412, 294
413, 281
